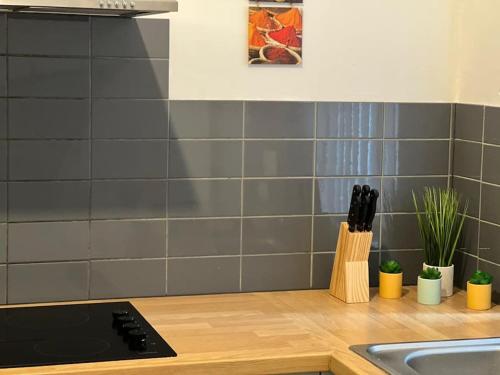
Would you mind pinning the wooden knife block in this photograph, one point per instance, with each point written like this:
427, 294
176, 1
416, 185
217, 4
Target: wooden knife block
350, 269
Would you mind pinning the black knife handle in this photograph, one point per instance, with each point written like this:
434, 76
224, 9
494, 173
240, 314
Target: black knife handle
352, 217
363, 210
372, 209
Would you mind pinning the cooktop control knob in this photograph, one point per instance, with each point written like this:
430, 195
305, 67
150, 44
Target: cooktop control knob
137, 339
126, 328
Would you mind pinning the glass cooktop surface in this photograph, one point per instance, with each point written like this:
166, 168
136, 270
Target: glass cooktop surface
51, 335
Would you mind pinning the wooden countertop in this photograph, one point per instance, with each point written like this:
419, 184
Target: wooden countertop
285, 332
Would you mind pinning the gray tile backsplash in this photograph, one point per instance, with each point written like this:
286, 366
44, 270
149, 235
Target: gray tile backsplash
118, 118
48, 77
476, 177
114, 191
48, 35
350, 120
49, 118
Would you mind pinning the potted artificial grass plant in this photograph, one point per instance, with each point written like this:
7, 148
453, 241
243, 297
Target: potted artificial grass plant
479, 291
390, 280
429, 286
440, 225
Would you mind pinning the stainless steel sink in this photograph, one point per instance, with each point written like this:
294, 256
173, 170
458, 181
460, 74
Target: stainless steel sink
450, 357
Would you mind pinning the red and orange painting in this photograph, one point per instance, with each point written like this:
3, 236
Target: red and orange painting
275, 35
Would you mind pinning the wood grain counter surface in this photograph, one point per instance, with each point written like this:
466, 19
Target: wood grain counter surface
284, 332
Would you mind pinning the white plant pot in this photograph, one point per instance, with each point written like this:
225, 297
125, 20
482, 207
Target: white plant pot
429, 291
446, 279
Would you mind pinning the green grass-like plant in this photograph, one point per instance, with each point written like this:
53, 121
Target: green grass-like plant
390, 266
431, 273
440, 224
481, 278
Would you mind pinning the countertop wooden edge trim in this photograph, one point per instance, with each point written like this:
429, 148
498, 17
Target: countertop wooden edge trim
272, 365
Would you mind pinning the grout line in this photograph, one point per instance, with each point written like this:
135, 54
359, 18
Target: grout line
480, 187
242, 187
313, 194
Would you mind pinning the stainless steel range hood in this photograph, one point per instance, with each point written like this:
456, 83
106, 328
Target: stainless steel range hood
123, 8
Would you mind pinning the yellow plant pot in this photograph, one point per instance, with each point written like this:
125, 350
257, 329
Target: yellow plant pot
390, 285
478, 296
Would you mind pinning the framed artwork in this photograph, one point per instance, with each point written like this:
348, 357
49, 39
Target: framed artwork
275, 33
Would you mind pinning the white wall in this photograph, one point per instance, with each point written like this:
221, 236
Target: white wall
479, 45
360, 50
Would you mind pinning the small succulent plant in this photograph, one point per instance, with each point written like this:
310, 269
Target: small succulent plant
481, 278
431, 273
390, 266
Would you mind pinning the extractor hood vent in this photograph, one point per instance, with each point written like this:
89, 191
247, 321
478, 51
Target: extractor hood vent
120, 8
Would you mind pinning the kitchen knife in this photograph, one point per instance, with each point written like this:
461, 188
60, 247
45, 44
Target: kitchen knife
372, 209
352, 218
363, 210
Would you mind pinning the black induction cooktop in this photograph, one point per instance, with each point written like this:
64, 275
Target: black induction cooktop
52, 335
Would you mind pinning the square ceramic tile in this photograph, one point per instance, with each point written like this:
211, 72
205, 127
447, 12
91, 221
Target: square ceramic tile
276, 272
3, 285
333, 195
49, 118
48, 282
467, 159
277, 197
413, 158
203, 275
130, 37
3, 243
350, 120
400, 232
199, 237
465, 266
348, 158
129, 159
417, 120
468, 241
3, 76
196, 198
45, 242
278, 158
128, 199
128, 239
129, 118
3, 160
469, 192
48, 35
48, 77
279, 120
206, 119
491, 160
204, 159
469, 122
397, 191
3, 201
490, 205
489, 244
127, 278
3, 118
277, 235
48, 201
130, 78
3, 33
49, 160
492, 125
322, 270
